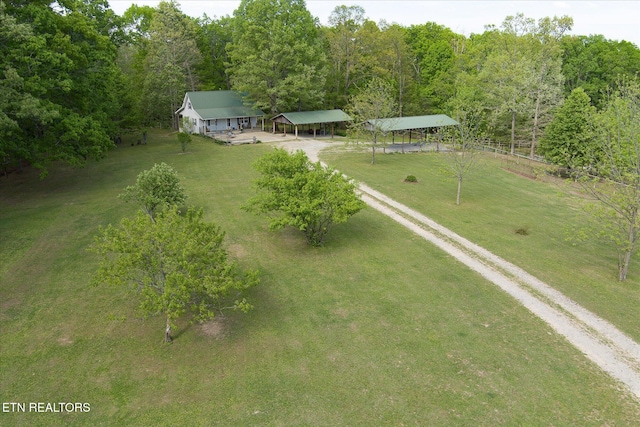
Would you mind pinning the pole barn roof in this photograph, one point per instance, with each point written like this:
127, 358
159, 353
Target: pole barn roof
409, 123
312, 117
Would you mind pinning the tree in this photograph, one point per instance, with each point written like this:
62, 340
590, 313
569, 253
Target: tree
58, 91
214, 35
569, 138
397, 59
276, 55
156, 189
434, 58
368, 107
293, 191
343, 40
508, 70
463, 140
174, 263
184, 135
616, 163
170, 63
595, 63
546, 91
184, 138
131, 61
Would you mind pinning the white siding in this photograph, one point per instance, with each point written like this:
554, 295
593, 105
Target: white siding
194, 118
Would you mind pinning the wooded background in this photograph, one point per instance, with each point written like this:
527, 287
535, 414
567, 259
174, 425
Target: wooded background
76, 75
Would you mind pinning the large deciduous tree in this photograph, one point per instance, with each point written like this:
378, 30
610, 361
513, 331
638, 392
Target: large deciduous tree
175, 264
344, 51
547, 84
397, 59
170, 62
433, 47
294, 191
508, 72
214, 35
59, 84
276, 55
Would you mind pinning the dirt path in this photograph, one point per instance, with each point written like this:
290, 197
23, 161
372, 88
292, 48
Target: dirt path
600, 341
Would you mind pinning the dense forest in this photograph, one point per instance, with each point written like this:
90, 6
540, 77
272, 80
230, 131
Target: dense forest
75, 75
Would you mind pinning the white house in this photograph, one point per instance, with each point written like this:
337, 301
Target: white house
217, 111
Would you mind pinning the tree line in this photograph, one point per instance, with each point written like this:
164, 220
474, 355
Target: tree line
75, 74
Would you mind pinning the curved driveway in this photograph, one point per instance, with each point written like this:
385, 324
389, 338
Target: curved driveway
603, 343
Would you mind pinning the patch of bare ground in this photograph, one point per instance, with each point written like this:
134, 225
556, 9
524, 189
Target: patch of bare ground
522, 174
65, 341
237, 250
215, 328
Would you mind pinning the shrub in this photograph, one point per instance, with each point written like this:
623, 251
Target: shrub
411, 178
155, 189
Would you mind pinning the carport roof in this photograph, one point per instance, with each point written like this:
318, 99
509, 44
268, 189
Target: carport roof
312, 117
414, 122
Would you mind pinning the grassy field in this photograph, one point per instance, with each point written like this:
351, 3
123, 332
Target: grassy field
375, 328
498, 200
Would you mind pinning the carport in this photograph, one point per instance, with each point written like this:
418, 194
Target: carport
300, 118
422, 124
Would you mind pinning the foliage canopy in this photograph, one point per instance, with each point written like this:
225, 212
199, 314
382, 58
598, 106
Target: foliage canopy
293, 191
569, 139
174, 263
156, 189
613, 175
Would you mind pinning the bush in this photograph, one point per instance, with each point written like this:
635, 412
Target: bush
155, 189
411, 178
185, 139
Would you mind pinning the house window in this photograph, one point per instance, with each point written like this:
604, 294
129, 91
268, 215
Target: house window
189, 105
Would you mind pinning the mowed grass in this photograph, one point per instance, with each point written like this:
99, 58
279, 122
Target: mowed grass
497, 202
375, 328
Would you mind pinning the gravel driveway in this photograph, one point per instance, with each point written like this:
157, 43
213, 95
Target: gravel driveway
600, 341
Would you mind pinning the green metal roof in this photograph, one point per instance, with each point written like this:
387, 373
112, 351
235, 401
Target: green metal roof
312, 117
220, 104
415, 122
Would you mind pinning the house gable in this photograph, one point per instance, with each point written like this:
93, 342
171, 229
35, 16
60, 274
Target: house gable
218, 110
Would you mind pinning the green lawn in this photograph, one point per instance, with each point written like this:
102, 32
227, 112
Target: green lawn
495, 203
375, 328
